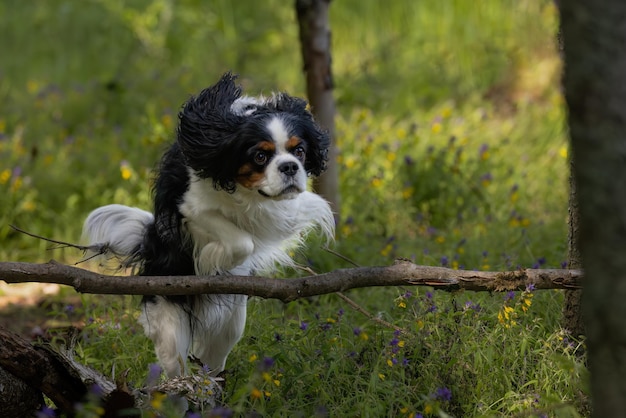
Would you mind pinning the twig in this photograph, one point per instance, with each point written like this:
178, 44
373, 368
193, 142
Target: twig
371, 317
96, 249
351, 302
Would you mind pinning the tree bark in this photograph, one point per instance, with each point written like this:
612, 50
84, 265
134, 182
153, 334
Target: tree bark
402, 273
572, 320
572, 309
595, 63
41, 371
315, 46
17, 399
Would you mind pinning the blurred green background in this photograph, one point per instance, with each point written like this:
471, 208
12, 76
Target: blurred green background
449, 115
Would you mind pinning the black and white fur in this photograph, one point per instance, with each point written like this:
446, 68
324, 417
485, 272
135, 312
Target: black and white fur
229, 198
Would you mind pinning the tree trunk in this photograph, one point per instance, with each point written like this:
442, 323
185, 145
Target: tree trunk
595, 63
572, 310
315, 45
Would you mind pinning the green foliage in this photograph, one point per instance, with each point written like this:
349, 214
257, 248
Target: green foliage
452, 152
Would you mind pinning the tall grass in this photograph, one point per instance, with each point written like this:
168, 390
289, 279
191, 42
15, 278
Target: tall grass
452, 152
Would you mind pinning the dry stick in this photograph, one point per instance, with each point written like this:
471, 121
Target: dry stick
402, 273
96, 249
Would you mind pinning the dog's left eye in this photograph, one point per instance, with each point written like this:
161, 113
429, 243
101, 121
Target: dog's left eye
260, 157
300, 153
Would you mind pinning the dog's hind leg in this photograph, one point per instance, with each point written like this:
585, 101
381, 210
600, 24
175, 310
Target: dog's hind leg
219, 338
168, 326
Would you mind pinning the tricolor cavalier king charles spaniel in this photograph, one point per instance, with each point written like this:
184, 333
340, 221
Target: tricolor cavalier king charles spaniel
229, 198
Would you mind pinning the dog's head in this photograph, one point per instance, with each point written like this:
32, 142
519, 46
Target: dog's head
267, 145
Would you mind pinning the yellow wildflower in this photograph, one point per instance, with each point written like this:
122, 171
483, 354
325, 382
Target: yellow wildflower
5, 176
125, 171
157, 400
255, 393
407, 192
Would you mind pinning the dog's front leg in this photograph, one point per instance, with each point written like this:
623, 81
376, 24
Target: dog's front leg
219, 244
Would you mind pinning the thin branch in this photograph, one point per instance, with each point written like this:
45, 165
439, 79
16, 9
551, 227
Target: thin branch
371, 317
95, 249
355, 305
402, 273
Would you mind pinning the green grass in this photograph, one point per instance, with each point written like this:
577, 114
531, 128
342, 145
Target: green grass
452, 152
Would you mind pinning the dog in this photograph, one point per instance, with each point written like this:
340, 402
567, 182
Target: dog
230, 198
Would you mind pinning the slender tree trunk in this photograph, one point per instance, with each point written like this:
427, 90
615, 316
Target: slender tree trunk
594, 34
572, 310
315, 45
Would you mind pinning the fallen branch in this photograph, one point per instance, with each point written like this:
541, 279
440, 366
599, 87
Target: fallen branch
40, 368
402, 273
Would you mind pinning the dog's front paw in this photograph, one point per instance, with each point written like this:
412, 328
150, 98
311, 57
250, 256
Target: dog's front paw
216, 257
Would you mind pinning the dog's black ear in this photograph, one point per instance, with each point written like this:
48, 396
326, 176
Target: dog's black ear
318, 143
207, 127
318, 139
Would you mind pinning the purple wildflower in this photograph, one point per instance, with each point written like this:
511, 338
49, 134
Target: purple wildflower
46, 412
443, 394
268, 363
221, 412
154, 372
304, 326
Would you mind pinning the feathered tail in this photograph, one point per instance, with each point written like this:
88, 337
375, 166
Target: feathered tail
119, 230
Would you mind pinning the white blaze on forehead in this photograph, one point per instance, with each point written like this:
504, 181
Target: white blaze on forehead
278, 132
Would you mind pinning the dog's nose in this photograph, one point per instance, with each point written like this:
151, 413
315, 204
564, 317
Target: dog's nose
289, 168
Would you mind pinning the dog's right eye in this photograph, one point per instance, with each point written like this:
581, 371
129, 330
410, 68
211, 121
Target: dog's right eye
260, 157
